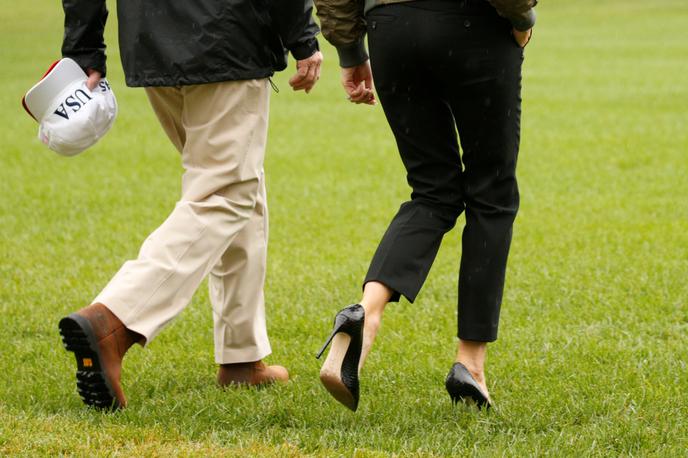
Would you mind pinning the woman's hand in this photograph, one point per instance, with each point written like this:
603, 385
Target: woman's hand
358, 83
522, 38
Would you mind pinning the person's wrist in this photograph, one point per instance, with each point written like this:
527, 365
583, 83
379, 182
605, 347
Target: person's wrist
352, 55
306, 49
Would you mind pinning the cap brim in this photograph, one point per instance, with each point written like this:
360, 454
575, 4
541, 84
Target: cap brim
62, 73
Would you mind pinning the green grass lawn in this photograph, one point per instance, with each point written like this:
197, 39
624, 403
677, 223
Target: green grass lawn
593, 345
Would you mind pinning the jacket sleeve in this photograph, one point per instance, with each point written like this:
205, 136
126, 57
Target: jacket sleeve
293, 21
519, 12
83, 35
343, 25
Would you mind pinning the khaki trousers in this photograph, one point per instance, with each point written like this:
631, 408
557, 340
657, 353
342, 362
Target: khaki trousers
218, 228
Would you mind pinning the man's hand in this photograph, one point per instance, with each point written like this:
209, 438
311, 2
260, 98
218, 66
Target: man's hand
307, 73
358, 83
94, 77
522, 38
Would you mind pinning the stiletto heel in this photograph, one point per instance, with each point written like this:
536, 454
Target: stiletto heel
340, 321
339, 373
327, 342
461, 386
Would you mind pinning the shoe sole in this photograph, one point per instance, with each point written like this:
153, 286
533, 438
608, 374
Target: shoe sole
92, 382
330, 373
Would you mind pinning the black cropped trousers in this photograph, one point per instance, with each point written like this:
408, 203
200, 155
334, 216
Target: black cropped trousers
442, 67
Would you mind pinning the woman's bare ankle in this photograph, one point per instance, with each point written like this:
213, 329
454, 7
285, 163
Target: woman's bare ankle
375, 298
472, 354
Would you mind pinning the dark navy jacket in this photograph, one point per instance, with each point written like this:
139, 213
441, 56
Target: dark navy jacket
182, 42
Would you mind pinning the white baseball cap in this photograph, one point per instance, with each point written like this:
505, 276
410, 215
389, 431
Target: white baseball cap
71, 117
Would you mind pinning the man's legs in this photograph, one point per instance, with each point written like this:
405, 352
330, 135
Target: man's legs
221, 130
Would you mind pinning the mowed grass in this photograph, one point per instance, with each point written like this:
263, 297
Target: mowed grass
591, 359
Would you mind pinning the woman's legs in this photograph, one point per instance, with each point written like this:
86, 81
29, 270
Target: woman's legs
425, 88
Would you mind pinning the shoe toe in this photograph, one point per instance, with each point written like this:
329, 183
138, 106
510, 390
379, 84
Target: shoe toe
279, 373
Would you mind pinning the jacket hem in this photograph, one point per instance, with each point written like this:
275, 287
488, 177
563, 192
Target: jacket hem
190, 80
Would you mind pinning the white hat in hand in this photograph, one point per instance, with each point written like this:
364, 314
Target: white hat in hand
71, 117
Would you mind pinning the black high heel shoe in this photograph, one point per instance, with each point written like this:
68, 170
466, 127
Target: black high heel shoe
339, 373
461, 385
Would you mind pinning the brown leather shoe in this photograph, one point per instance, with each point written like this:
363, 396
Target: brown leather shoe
99, 341
251, 374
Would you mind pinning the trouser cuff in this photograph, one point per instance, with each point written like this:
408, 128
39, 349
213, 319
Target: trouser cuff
478, 333
397, 288
242, 355
123, 313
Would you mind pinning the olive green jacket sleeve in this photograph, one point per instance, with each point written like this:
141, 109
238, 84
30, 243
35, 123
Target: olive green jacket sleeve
343, 25
519, 12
